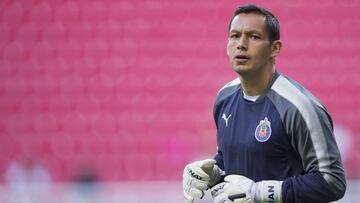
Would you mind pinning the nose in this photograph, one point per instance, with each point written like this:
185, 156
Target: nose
242, 43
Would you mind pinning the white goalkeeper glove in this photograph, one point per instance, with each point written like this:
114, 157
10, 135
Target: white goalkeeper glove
240, 189
198, 177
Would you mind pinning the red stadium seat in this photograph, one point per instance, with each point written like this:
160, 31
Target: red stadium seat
6, 35
55, 34
41, 13
13, 14
130, 84
67, 12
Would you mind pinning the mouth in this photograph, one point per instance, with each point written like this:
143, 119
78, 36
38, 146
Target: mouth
241, 58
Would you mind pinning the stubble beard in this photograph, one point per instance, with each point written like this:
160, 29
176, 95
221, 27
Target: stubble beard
248, 71
243, 70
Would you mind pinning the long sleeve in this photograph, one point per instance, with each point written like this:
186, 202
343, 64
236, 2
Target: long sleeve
224, 92
219, 160
311, 133
309, 188
314, 141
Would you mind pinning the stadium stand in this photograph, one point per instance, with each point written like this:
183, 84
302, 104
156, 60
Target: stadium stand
129, 85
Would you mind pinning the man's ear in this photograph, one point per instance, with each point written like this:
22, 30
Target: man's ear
275, 48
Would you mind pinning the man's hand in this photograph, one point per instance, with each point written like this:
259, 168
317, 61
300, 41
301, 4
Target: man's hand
198, 177
240, 189
235, 189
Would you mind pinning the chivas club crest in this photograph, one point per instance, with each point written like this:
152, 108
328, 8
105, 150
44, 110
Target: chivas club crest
263, 130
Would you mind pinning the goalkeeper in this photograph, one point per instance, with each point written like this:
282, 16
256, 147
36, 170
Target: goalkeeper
275, 139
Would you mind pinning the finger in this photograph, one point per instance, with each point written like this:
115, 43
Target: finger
196, 193
241, 200
196, 172
222, 198
190, 182
188, 198
218, 189
234, 178
207, 165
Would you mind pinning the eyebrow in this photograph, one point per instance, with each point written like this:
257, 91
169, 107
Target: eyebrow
250, 31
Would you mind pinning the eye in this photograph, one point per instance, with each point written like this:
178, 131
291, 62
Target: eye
254, 37
234, 36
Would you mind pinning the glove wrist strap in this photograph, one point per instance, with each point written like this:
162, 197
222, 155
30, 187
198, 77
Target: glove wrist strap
267, 191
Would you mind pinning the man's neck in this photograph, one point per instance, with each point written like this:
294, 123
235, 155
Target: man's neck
255, 84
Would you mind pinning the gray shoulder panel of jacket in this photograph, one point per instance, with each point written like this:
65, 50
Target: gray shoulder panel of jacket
310, 129
228, 90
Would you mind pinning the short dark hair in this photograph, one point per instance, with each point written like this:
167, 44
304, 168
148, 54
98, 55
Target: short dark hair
272, 23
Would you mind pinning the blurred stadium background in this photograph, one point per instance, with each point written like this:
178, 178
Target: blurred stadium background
106, 101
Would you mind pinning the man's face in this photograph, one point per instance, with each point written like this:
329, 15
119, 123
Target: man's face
249, 46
